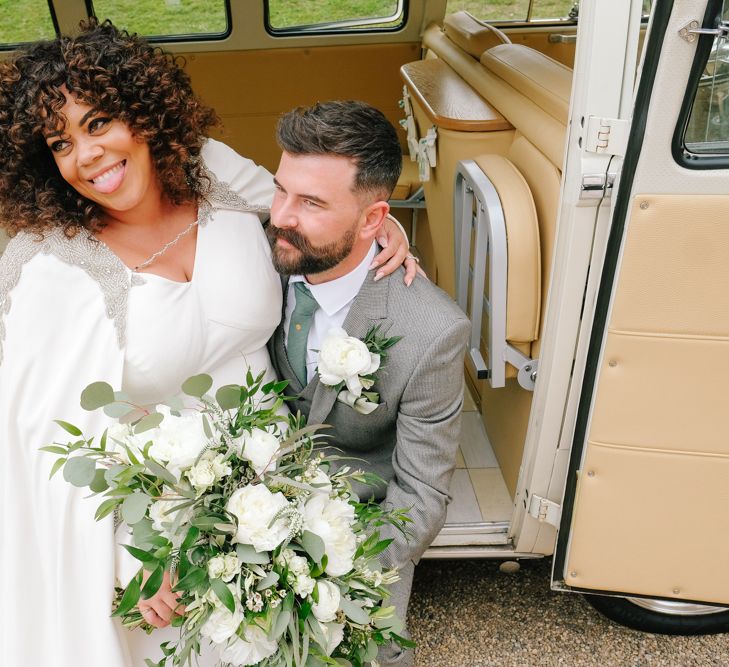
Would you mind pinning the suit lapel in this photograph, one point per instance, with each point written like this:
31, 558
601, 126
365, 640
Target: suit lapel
369, 309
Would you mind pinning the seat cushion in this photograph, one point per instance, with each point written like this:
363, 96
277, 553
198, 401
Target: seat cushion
409, 180
470, 34
524, 274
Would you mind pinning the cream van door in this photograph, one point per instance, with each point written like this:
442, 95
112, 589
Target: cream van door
646, 508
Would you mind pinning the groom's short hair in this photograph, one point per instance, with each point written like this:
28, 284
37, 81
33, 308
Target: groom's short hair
349, 129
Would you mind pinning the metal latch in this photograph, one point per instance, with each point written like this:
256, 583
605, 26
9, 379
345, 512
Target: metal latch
691, 30
427, 154
596, 186
608, 136
545, 511
408, 124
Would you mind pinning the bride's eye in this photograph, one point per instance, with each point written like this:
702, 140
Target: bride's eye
98, 123
59, 146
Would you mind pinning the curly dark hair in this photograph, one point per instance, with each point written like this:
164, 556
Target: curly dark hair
114, 72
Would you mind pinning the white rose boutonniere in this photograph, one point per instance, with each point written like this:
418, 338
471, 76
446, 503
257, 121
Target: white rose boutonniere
350, 365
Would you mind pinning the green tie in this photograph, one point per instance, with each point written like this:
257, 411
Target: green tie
299, 330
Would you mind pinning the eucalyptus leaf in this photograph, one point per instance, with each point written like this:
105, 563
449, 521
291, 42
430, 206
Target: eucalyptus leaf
56, 467
313, 544
117, 409
111, 473
106, 508
228, 397
129, 599
192, 579
55, 449
269, 580
282, 622
371, 651
175, 403
134, 507
148, 422
354, 612
69, 428
160, 471
97, 395
99, 483
197, 385
247, 554
223, 593
79, 471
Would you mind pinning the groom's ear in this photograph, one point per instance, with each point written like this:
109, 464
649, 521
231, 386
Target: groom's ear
374, 215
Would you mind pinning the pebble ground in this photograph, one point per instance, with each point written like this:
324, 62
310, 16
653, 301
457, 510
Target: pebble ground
466, 613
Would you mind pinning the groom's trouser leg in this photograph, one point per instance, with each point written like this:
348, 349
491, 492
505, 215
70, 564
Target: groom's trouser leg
392, 655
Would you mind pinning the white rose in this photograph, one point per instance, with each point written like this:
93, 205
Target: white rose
178, 441
256, 646
201, 475
260, 448
216, 567
221, 467
255, 506
303, 585
343, 358
320, 482
118, 435
164, 513
221, 624
331, 519
232, 566
329, 596
334, 634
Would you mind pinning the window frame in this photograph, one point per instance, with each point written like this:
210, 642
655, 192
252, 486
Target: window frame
185, 37
345, 27
681, 154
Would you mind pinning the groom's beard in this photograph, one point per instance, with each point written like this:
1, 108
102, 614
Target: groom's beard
304, 259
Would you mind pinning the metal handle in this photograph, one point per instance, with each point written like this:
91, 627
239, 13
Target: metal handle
562, 39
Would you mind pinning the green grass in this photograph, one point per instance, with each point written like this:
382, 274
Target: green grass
28, 20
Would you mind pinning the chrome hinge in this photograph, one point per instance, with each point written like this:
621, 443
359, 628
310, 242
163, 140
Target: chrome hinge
545, 511
596, 186
691, 30
606, 135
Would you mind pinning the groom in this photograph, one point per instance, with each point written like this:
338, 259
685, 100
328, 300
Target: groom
340, 163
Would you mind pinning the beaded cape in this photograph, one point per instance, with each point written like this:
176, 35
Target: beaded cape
100, 263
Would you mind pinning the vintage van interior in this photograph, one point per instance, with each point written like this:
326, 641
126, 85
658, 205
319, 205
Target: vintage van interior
464, 90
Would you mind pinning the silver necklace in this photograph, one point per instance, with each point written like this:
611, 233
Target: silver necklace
164, 248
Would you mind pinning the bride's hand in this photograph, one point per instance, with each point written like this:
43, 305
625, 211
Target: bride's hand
160, 608
395, 252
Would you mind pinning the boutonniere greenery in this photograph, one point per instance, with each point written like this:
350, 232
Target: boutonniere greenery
350, 365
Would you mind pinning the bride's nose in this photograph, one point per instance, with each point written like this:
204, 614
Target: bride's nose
89, 150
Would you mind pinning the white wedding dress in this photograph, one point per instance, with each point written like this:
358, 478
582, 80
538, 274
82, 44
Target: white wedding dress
75, 315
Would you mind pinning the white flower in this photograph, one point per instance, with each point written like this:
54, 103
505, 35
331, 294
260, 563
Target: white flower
119, 435
343, 358
320, 482
177, 441
359, 403
221, 624
332, 519
334, 634
208, 470
224, 567
255, 506
303, 585
260, 448
295, 564
256, 646
164, 514
329, 596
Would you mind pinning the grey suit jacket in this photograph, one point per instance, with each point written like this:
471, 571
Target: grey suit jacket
411, 439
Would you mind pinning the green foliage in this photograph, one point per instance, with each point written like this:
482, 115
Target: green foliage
197, 385
97, 395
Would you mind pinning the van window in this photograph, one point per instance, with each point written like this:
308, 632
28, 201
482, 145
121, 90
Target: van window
304, 16
166, 18
25, 21
517, 11
707, 131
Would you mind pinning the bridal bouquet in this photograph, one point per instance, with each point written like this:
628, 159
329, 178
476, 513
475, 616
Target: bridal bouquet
274, 558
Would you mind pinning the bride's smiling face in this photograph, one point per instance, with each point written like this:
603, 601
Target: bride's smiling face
101, 159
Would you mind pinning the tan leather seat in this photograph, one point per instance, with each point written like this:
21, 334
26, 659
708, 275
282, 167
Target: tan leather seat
408, 182
472, 35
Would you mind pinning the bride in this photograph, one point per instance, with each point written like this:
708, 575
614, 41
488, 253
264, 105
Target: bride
137, 258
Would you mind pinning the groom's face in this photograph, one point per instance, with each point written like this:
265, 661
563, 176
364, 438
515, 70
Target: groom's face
316, 216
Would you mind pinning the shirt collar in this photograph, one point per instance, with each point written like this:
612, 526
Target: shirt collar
335, 294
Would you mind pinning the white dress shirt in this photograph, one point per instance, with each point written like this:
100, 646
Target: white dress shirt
335, 299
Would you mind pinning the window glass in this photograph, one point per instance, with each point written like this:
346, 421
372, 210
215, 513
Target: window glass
165, 17
708, 126
512, 10
25, 21
334, 14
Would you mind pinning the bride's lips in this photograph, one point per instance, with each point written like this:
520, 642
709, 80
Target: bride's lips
108, 180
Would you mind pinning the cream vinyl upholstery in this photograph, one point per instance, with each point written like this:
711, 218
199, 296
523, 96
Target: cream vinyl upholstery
658, 432
470, 34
